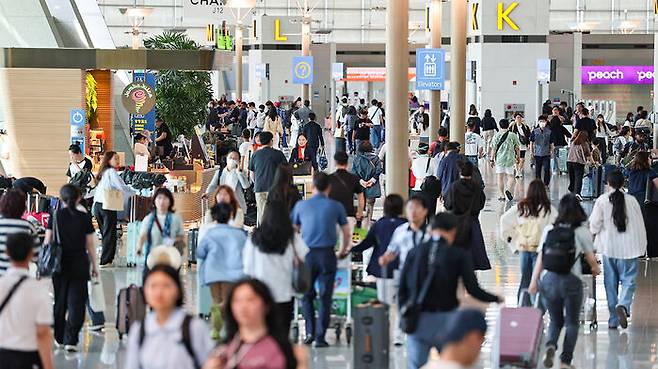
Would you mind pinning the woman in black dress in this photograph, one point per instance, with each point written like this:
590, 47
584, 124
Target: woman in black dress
465, 199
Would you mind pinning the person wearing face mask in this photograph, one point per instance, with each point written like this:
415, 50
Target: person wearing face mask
541, 147
523, 131
232, 176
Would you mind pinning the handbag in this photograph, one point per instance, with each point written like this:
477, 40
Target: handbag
49, 261
410, 311
650, 194
112, 199
323, 163
301, 274
96, 295
302, 168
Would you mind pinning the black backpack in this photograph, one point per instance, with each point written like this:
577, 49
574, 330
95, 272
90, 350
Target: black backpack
559, 249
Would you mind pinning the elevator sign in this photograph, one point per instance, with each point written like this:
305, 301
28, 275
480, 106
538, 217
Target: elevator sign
430, 66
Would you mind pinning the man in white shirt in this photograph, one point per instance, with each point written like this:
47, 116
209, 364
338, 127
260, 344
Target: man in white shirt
341, 111
78, 161
26, 312
375, 114
461, 340
473, 144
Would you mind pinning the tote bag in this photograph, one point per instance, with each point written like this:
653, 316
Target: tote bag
96, 296
113, 200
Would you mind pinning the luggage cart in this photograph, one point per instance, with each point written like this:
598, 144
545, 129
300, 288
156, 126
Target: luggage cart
341, 304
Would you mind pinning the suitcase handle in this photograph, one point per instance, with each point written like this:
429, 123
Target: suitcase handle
524, 293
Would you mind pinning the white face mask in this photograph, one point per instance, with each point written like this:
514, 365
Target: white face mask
231, 163
542, 124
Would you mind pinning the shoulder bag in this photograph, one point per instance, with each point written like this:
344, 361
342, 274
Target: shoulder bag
11, 292
503, 138
431, 185
301, 274
49, 261
410, 311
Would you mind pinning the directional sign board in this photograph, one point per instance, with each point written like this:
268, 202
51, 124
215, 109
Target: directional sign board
302, 70
430, 66
77, 121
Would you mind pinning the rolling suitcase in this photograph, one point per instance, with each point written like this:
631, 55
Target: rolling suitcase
562, 154
203, 297
132, 258
588, 311
371, 336
519, 337
130, 308
192, 243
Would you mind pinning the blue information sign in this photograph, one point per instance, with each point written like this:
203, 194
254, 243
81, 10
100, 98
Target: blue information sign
302, 70
78, 120
430, 66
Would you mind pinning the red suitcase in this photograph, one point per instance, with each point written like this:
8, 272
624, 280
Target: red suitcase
520, 332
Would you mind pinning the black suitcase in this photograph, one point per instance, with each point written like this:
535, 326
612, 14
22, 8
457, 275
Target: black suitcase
192, 243
371, 336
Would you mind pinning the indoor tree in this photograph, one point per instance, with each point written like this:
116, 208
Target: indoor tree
182, 96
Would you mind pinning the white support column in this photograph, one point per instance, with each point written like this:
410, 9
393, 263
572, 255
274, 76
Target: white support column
397, 84
435, 96
239, 40
458, 70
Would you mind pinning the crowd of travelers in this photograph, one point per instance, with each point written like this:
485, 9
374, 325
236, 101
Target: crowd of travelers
420, 249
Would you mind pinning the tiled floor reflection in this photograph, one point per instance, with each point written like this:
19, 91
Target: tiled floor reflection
634, 348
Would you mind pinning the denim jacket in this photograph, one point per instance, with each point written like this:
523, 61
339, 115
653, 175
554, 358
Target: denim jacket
221, 251
368, 166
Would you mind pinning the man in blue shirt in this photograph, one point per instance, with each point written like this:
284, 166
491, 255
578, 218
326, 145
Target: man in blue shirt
317, 218
447, 171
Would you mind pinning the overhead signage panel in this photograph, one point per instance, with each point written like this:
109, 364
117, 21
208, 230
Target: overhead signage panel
617, 75
430, 69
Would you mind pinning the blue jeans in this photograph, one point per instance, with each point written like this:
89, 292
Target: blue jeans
322, 263
426, 336
527, 260
616, 271
97, 318
376, 136
473, 159
562, 294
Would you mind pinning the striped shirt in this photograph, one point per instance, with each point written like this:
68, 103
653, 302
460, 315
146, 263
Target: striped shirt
12, 226
609, 241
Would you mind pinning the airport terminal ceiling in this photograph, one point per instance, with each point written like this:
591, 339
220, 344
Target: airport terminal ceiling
363, 21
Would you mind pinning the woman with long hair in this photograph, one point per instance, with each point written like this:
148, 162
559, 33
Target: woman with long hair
562, 293
489, 128
270, 254
76, 237
522, 226
640, 174
108, 179
520, 127
255, 337
167, 338
625, 136
274, 126
473, 116
302, 153
283, 188
603, 134
622, 239
225, 195
162, 227
466, 199
579, 155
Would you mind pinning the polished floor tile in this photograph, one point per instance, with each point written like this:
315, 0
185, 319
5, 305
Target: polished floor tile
634, 348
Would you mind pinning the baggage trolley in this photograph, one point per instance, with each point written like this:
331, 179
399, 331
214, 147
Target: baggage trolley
341, 304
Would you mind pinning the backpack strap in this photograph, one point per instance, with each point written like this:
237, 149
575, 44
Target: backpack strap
186, 338
11, 292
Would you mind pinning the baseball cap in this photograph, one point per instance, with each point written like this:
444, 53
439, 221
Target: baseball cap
462, 323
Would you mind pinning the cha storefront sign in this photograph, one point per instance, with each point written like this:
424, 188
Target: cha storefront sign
617, 75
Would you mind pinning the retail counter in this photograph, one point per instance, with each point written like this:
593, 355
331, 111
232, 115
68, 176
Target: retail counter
188, 203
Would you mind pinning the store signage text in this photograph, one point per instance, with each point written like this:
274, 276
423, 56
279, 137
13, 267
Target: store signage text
474, 16
504, 16
277, 31
138, 97
207, 2
617, 75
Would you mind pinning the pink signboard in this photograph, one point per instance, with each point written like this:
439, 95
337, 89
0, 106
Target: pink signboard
617, 75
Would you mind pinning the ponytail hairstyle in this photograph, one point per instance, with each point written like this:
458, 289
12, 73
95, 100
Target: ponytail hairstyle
616, 180
70, 194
